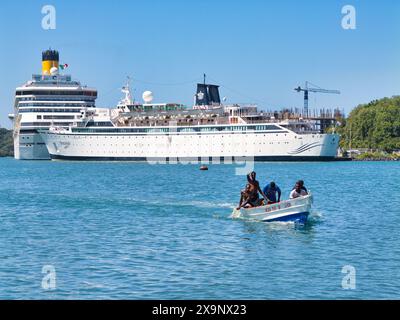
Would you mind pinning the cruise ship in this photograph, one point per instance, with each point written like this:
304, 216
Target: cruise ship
208, 132
49, 99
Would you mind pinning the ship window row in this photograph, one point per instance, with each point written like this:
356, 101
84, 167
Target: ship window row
236, 128
31, 144
45, 124
99, 124
271, 128
85, 99
57, 117
27, 132
56, 105
50, 110
56, 93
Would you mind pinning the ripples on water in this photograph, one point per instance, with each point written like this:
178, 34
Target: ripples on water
138, 231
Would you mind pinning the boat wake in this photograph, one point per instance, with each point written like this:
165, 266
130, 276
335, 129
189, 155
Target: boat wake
93, 285
315, 217
193, 203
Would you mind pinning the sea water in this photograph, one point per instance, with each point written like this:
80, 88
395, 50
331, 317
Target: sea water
93, 230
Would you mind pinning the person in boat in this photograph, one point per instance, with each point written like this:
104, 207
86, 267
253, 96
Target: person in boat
244, 197
271, 190
298, 191
250, 196
301, 182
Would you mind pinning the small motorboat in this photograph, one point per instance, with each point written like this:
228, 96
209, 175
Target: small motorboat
293, 210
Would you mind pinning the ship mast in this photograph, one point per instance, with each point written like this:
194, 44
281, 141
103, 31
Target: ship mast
128, 100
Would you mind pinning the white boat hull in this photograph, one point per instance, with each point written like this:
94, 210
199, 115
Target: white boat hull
296, 210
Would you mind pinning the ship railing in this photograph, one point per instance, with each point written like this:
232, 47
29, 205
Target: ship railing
169, 122
307, 132
181, 113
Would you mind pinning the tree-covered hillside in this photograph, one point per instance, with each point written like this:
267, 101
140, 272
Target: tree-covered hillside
375, 125
6, 143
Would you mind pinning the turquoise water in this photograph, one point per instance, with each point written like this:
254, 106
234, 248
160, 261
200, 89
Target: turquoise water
139, 231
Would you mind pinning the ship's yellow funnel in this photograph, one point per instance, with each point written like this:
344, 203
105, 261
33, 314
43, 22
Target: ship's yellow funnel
50, 59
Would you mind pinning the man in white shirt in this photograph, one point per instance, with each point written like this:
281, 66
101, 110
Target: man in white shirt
298, 191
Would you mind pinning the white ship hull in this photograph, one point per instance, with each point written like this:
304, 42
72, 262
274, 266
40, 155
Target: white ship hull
179, 147
30, 147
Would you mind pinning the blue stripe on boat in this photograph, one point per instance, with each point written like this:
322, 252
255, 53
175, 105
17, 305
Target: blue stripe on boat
300, 217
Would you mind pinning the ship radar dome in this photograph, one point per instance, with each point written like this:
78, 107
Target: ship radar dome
147, 96
54, 71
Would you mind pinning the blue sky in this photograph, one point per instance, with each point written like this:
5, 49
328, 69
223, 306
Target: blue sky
258, 50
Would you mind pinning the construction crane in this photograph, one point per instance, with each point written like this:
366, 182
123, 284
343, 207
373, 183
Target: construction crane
315, 88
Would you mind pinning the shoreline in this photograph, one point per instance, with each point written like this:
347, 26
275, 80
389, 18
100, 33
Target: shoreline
377, 160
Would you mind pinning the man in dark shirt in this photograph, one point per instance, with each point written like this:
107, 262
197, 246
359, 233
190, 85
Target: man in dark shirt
270, 191
301, 184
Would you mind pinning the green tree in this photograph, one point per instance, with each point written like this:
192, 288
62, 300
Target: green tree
375, 125
6, 143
